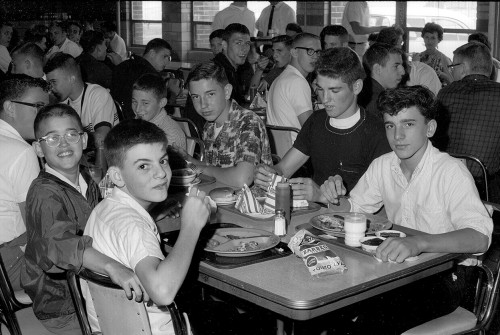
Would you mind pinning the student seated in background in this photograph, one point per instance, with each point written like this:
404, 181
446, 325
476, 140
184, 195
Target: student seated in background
28, 59
334, 36
293, 29
215, 39
149, 97
58, 204
235, 138
423, 189
340, 139
121, 227
282, 45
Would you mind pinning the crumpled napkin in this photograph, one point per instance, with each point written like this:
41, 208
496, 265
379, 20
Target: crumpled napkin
258, 101
246, 202
270, 202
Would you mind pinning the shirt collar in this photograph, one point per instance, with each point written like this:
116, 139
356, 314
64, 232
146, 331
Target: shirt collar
295, 70
424, 163
124, 198
82, 184
9, 131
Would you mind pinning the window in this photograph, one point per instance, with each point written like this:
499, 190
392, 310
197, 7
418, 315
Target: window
146, 21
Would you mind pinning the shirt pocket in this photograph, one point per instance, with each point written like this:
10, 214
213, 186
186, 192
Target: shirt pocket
431, 219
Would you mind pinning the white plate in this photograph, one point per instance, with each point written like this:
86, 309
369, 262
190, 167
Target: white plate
225, 203
226, 246
374, 223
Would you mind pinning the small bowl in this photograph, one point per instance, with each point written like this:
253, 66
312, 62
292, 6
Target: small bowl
183, 176
371, 243
390, 233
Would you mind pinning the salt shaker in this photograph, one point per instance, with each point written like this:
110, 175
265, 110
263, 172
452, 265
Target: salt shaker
279, 223
283, 199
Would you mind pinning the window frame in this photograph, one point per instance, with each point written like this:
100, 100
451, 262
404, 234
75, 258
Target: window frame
133, 22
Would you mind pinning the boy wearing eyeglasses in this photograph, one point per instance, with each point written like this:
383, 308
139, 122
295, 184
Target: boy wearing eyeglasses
289, 103
58, 204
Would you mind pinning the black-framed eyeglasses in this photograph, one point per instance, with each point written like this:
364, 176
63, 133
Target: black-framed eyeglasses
451, 66
37, 106
310, 51
54, 140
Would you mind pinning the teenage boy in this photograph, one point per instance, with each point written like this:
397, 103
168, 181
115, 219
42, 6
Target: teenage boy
149, 97
282, 46
235, 138
424, 189
340, 139
215, 39
290, 103
122, 228
58, 32
334, 36
58, 204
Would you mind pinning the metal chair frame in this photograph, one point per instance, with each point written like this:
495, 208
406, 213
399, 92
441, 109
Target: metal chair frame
9, 304
191, 143
186, 129
278, 141
180, 326
483, 167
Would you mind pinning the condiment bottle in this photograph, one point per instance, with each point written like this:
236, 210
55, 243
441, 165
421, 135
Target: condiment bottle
279, 223
283, 199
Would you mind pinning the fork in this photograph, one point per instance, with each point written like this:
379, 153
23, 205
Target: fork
194, 168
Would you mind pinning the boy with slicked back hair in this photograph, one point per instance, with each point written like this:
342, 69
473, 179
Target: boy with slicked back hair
121, 227
58, 205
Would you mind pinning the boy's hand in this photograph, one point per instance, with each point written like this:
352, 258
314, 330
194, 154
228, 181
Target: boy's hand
263, 175
306, 188
196, 209
398, 249
171, 209
114, 58
262, 63
127, 279
332, 188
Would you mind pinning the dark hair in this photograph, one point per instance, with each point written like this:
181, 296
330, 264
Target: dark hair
285, 39
90, 39
480, 37
61, 24
378, 53
62, 61
390, 35
74, 23
30, 49
151, 82
36, 34
234, 28
17, 85
208, 70
302, 36
218, 33
477, 55
108, 26
5, 23
333, 30
432, 28
127, 134
394, 100
56, 110
372, 37
157, 44
341, 62
294, 27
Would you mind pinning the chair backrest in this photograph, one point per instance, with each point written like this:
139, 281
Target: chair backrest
119, 111
280, 139
469, 161
116, 314
191, 144
185, 125
9, 304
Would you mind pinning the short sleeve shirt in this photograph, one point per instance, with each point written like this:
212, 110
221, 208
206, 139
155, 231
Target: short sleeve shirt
171, 128
356, 11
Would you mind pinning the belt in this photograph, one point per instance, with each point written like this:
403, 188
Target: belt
357, 42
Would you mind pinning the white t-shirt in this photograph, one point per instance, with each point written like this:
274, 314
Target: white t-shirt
117, 44
234, 14
423, 74
123, 230
289, 96
98, 106
282, 16
18, 169
68, 47
5, 59
356, 11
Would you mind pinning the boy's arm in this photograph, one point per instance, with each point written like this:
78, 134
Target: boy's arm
162, 279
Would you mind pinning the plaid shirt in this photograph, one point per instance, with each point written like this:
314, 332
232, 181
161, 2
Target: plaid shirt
243, 138
472, 105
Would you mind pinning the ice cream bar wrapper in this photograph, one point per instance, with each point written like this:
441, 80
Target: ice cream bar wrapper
270, 203
246, 202
317, 256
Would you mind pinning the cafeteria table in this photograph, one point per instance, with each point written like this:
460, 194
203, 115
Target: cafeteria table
285, 286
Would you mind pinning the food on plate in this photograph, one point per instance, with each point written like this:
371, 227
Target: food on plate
371, 243
300, 203
222, 194
246, 246
257, 192
331, 222
376, 241
390, 233
212, 243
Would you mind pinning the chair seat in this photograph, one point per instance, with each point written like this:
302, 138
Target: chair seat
29, 324
457, 321
22, 297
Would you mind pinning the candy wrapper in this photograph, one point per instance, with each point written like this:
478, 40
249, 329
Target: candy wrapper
317, 256
246, 202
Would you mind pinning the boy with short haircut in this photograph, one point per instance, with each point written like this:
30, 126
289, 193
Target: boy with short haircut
334, 36
122, 228
215, 39
235, 138
58, 205
424, 189
149, 97
340, 139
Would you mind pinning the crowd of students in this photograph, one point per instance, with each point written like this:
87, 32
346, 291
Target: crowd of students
366, 121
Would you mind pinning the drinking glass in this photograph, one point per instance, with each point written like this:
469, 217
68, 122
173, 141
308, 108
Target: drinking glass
354, 228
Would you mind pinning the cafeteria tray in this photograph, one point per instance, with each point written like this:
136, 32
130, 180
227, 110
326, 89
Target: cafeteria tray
312, 207
204, 180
